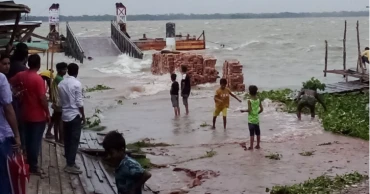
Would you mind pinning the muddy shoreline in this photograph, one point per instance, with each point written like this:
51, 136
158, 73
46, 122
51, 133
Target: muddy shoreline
250, 172
238, 171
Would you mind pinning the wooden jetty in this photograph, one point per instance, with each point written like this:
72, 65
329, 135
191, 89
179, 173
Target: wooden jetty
11, 11
72, 46
345, 87
96, 178
91, 142
359, 72
183, 43
121, 42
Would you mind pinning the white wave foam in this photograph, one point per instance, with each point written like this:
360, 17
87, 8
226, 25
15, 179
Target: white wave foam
252, 43
125, 65
288, 125
229, 48
310, 48
151, 84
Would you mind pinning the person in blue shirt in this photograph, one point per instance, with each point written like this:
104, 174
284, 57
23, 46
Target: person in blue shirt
130, 175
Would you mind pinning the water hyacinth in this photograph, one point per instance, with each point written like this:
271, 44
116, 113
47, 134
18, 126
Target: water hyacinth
346, 114
321, 184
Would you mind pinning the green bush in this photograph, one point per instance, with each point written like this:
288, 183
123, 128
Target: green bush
313, 84
321, 184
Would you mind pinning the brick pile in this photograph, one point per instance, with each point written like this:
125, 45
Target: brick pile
201, 69
233, 72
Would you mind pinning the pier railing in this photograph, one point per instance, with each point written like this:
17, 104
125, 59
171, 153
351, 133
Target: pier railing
124, 44
73, 47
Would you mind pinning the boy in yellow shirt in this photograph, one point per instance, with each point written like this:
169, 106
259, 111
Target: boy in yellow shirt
365, 56
222, 102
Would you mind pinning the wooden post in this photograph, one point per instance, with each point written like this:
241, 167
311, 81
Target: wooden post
344, 49
47, 59
326, 57
52, 58
9, 47
51, 47
359, 49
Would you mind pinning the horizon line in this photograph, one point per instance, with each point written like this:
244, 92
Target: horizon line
84, 15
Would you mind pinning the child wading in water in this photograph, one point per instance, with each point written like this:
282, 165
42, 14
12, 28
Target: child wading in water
222, 102
175, 94
254, 109
130, 176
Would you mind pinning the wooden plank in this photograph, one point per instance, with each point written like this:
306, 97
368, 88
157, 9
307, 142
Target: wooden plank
64, 177
83, 141
99, 175
85, 181
98, 189
103, 179
342, 87
76, 184
93, 136
55, 183
87, 165
100, 140
104, 133
108, 177
90, 143
45, 187
33, 185
39, 186
83, 146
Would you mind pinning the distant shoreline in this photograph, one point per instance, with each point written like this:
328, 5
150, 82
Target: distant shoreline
147, 17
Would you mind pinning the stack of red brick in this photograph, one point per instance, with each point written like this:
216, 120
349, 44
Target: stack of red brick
201, 69
233, 72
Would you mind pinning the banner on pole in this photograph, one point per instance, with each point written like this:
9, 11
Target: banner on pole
53, 16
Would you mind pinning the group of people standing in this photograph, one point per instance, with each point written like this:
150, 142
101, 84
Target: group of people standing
185, 91
24, 110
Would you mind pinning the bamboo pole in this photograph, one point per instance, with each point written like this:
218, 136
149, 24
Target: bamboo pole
51, 68
344, 49
326, 57
10, 44
47, 59
358, 48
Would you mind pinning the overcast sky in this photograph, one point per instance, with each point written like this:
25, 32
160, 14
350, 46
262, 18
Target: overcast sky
100, 7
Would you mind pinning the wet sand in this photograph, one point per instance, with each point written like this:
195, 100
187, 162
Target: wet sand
239, 171
250, 172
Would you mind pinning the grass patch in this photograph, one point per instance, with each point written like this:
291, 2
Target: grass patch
144, 162
146, 144
346, 114
209, 154
321, 184
136, 146
98, 87
274, 156
205, 124
94, 121
307, 153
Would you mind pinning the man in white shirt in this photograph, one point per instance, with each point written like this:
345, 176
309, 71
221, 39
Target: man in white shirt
73, 116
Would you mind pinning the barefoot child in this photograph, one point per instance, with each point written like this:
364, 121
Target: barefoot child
130, 176
254, 109
222, 101
175, 94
